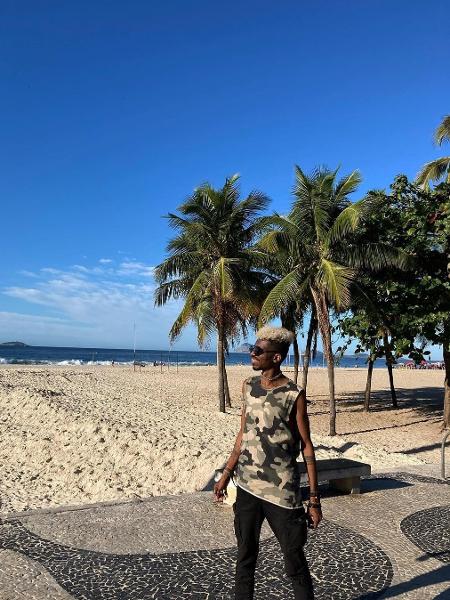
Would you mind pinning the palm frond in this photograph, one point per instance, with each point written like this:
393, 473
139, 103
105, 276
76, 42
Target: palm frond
290, 289
205, 321
345, 223
347, 185
375, 256
335, 281
255, 203
313, 201
177, 264
173, 289
302, 187
442, 133
281, 222
222, 277
193, 298
434, 171
186, 243
177, 222
274, 241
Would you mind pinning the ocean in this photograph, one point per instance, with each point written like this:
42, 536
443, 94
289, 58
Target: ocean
49, 355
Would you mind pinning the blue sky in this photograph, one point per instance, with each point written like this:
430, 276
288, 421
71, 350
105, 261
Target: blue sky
113, 112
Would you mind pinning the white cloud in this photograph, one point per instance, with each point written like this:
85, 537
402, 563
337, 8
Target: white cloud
97, 306
28, 273
135, 268
105, 261
49, 270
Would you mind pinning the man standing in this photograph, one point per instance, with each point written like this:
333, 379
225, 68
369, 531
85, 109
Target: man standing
274, 427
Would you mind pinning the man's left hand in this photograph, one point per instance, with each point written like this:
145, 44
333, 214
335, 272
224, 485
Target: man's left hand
314, 517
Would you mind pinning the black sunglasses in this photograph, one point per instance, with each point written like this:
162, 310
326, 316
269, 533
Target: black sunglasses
257, 350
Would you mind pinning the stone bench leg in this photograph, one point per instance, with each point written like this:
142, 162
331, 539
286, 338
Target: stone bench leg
349, 485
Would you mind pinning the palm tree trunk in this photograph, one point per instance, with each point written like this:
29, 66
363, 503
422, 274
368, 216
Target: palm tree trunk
389, 362
220, 361
226, 386
307, 355
446, 347
447, 374
369, 382
296, 359
323, 319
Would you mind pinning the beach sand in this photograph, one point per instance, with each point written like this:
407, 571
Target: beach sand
75, 435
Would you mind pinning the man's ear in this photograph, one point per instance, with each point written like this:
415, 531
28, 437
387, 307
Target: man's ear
277, 358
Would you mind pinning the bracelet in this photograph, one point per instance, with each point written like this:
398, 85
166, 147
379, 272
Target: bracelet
227, 470
314, 494
314, 505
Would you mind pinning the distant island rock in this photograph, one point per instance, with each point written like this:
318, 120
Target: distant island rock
243, 348
14, 345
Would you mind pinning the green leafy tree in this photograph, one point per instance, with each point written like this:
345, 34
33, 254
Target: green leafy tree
374, 322
412, 304
381, 308
316, 234
375, 339
212, 265
360, 327
425, 232
439, 169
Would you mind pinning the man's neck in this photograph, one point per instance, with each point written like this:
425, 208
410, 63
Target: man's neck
271, 377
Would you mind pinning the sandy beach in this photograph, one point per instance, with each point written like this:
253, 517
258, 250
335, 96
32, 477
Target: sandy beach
74, 435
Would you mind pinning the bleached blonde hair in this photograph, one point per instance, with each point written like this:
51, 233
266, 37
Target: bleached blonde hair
280, 335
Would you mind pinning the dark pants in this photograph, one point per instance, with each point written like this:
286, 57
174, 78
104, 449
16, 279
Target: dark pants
290, 529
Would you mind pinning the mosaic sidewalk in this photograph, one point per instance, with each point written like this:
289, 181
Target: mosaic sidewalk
392, 541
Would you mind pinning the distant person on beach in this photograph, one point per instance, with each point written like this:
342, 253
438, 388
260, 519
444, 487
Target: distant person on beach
274, 428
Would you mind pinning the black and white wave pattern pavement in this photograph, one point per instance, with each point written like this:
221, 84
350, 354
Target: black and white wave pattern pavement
429, 530
344, 566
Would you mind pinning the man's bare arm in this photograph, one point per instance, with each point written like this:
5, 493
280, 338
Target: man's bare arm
314, 509
231, 463
234, 456
307, 447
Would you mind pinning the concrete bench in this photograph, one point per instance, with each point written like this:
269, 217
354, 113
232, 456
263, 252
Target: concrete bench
342, 474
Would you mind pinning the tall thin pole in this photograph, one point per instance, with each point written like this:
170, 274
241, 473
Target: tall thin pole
134, 345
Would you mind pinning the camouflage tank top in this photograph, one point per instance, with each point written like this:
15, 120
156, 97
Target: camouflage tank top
267, 465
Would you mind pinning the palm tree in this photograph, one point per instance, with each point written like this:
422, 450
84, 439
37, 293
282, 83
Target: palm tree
291, 314
438, 169
317, 235
211, 264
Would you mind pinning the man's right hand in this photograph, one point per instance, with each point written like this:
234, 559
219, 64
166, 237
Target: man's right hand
220, 488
